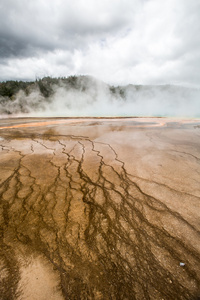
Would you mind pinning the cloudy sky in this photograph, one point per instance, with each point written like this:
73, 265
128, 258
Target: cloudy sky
117, 41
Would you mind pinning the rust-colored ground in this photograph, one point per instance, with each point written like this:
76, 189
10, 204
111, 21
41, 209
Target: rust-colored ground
99, 209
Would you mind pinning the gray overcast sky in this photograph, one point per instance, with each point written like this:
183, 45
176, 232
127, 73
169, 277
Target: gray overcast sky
118, 41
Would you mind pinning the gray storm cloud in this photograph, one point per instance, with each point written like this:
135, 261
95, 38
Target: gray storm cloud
130, 41
85, 96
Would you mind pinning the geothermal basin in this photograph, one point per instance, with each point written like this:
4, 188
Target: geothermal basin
99, 208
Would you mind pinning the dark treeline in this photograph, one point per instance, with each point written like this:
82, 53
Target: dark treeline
12, 87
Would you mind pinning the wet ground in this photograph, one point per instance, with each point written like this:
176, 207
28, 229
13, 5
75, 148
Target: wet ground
99, 209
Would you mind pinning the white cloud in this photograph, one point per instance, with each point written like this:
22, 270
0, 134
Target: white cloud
120, 42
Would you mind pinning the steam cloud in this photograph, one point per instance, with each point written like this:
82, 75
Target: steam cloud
91, 97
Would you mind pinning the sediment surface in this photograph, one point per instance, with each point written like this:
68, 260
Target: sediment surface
99, 209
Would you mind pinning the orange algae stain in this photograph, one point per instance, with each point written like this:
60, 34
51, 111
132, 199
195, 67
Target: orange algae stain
35, 124
44, 123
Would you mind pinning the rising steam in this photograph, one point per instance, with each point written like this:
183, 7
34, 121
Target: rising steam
85, 96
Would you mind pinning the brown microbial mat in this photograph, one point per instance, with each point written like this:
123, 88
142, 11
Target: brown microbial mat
99, 209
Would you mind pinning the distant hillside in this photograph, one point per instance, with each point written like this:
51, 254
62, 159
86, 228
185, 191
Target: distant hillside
87, 96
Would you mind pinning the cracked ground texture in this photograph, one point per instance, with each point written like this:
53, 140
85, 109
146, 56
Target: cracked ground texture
99, 209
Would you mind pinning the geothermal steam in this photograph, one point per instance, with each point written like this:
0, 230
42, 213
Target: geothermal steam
90, 97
